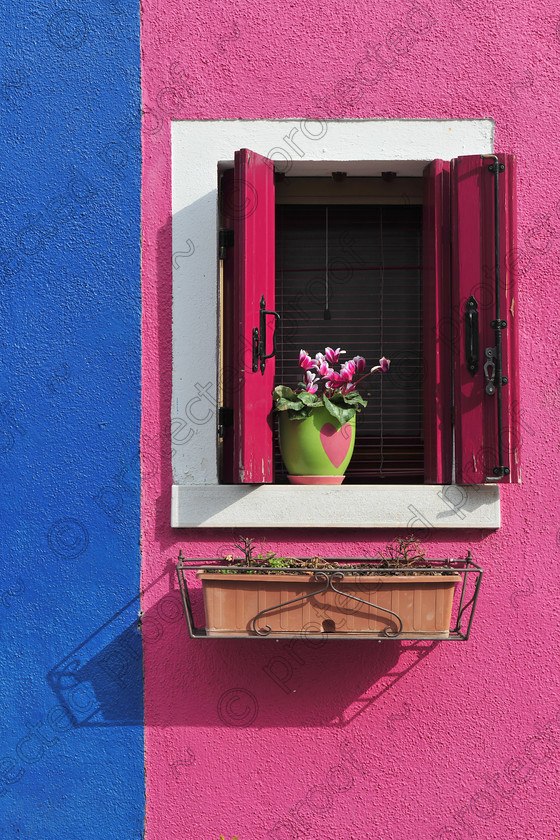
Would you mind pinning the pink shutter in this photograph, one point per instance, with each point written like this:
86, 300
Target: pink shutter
254, 280
473, 261
438, 327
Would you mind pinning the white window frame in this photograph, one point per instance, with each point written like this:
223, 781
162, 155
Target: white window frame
300, 147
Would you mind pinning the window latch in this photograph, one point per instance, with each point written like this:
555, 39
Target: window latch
490, 369
259, 338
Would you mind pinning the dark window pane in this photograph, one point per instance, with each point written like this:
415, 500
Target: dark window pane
362, 266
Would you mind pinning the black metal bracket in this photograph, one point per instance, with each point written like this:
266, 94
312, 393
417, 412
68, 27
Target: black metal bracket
259, 338
225, 419
464, 613
225, 241
499, 472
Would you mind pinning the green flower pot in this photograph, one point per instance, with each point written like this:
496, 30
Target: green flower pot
316, 450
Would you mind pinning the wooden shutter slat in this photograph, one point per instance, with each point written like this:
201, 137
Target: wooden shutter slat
438, 434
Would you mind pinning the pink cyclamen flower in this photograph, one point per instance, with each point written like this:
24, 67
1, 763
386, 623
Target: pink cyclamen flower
335, 380
311, 386
332, 356
360, 363
383, 365
324, 370
305, 360
347, 371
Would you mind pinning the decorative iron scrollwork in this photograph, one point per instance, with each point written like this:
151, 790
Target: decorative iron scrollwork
329, 578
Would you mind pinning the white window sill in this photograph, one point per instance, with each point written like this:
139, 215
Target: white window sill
354, 506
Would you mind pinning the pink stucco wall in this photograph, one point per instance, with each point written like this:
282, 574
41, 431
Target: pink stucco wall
362, 740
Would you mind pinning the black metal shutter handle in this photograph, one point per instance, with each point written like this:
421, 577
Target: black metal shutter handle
471, 335
262, 349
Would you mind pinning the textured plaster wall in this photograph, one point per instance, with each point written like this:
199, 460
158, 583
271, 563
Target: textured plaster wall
71, 707
344, 740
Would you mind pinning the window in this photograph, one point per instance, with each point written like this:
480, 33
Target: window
362, 148
426, 312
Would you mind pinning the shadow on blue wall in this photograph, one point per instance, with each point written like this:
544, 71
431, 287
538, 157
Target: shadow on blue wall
100, 682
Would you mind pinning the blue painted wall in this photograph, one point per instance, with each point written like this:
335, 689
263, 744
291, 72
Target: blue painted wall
71, 760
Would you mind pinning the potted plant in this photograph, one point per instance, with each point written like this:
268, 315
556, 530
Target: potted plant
317, 421
399, 594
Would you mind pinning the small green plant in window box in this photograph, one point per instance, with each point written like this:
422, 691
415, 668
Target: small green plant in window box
399, 594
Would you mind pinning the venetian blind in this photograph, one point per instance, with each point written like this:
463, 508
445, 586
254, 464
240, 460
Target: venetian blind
350, 276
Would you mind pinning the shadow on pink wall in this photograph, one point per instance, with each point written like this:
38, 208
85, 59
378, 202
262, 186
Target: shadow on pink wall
264, 683
231, 683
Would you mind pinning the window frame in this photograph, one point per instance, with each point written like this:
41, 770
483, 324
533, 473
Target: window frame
306, 146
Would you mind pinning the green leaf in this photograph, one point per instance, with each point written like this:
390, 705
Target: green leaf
283, 392
347, 414
308, 399
341, 413
288, 405
302, 413
354, 397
